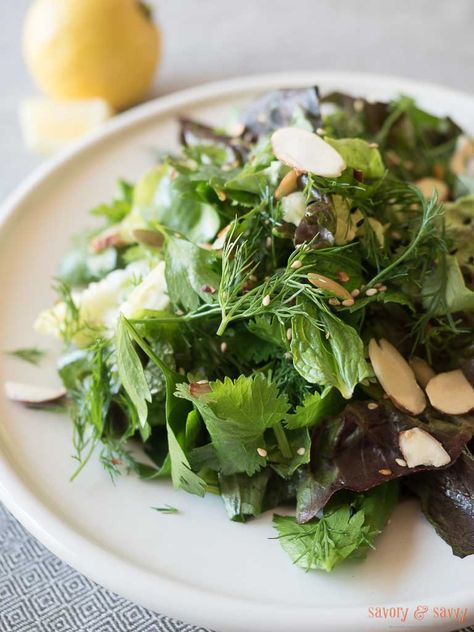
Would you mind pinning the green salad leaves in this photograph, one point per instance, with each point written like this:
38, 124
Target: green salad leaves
216, 324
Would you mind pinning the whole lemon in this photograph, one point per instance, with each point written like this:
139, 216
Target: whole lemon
78, 49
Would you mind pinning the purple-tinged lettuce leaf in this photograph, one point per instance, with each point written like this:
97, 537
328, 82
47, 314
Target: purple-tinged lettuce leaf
281, 108
447, 500
358, 450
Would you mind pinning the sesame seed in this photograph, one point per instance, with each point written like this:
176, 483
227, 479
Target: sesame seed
385, 472
348, 302
378, 285
355, 292
358, 105
222, 196
181, 370
289, 334
262, 452
342, 276
395, 235
296, 264
372, 291
373, 145
266, 300
269, 242
301, 451
223, 347
401, 462
383, 288
320, 131
200, 388
372, 405
334, 301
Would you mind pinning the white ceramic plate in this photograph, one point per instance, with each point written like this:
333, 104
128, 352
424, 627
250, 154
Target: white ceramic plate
195, 565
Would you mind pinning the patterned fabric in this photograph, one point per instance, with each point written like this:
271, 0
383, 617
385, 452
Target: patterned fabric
39, 593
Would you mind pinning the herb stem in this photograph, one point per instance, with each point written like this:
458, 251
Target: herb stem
282, 441
428, 215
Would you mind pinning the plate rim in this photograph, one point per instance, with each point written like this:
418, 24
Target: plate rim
180, 600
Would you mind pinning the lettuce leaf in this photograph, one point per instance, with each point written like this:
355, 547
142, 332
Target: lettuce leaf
447, 500
331, 354
358, 450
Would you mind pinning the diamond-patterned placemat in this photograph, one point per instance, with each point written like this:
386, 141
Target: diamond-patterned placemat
40, 593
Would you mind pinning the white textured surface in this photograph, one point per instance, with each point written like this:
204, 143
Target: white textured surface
430, 40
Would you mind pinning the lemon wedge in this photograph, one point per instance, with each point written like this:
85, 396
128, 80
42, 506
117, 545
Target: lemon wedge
49, 126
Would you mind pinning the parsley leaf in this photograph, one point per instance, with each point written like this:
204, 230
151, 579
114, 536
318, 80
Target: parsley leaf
347, 528
237, 413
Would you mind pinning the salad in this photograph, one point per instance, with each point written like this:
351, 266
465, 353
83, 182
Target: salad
282, 314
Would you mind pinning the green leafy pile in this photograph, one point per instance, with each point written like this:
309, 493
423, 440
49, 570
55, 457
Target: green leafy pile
195, 322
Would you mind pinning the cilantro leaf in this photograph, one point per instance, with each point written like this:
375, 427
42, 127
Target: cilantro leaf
347, 529
314, 408
237, 413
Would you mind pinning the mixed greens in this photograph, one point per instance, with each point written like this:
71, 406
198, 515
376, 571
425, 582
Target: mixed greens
247, 321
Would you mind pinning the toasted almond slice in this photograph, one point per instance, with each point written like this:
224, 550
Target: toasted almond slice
396, 377
428, 185
32, 395
422, 370
324, 283
420, 448
288, 184
306, 152
219, 242
110, 237
148, 237
451, 393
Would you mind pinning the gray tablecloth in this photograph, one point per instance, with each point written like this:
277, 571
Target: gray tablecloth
430, 40
40, 593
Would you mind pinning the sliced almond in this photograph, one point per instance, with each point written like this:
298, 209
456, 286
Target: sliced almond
110, 237
451, 393
148, 237
32, 395
420, 448
324, 283
288, 184
219, 242
422, 370
396, 377
428, 185
306, 152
